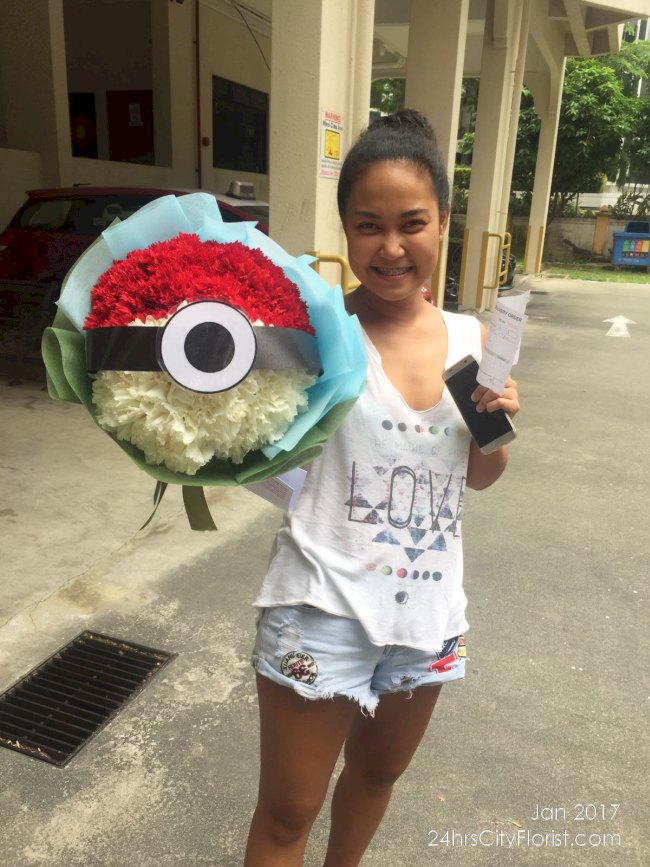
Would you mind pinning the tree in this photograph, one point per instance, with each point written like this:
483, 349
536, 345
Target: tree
631, 65
632, 68
595, 117
387, 95
523, 174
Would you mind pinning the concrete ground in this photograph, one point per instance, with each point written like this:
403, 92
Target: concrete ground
551, 719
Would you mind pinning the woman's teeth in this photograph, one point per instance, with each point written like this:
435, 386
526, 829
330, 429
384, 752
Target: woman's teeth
393, 272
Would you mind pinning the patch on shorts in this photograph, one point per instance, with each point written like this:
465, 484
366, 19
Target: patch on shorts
452, 650
299, 666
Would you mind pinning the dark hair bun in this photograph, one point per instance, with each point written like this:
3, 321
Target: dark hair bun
406, 120
406, 136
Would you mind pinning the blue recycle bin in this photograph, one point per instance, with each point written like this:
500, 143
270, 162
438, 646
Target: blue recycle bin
632, 247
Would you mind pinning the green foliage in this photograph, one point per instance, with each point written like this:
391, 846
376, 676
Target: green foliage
460, 192
571, 208
470, 96
612, 274
604, 129
631, 205
600, 180
387, 95
459, 199
465, 145
594, 118
523, 174
635, 152
462, 176
520, 205
630, 64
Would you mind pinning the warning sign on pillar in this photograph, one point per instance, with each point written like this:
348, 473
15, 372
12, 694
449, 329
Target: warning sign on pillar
331, 153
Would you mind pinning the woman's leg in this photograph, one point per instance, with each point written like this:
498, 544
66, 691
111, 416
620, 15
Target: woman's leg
377, 751
300, 741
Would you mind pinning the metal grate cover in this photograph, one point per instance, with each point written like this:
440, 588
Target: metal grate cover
53, 711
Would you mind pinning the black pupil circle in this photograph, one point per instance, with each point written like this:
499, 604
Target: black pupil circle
209, 347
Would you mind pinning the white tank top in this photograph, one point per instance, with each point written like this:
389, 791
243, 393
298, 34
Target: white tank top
376, 533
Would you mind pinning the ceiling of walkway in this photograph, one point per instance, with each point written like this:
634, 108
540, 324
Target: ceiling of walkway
589, 27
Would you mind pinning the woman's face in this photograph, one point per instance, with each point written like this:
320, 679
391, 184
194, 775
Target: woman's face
393, 228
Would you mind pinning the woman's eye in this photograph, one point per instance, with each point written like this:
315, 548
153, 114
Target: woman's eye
367, 226
414, 225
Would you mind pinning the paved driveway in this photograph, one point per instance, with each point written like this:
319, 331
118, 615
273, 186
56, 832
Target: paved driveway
546, 739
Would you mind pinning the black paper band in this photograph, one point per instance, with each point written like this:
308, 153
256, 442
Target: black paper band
135, 347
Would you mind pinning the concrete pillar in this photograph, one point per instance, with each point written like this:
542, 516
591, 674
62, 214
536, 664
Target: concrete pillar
434, 78
321, 62
174, 59
547, 94
485, 211
546, 88
517, 85
160, 73
183, 47
601, 231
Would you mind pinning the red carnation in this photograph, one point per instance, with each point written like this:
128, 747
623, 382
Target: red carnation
155, 280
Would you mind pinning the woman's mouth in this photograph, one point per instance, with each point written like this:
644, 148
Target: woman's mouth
391, 272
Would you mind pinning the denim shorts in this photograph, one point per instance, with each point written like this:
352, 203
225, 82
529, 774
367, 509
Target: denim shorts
322, 655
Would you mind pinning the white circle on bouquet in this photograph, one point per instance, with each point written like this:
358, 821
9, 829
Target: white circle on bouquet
208, 346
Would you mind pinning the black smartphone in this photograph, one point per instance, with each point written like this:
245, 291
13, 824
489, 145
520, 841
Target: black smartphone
491, 430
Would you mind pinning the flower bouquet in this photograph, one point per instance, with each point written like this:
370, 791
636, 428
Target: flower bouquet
208, 353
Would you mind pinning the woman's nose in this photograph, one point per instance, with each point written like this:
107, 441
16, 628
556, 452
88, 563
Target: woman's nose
391, 247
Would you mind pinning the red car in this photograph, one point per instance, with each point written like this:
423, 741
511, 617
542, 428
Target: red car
49, 233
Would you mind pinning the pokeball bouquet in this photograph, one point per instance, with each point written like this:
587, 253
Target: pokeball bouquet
207, 352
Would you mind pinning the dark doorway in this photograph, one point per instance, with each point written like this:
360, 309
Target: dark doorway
130, 126
83, 124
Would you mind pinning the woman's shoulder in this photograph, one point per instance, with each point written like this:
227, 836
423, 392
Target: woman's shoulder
454, 316
464, 335
466, 322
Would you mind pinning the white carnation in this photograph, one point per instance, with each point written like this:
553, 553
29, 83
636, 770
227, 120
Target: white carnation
184, 430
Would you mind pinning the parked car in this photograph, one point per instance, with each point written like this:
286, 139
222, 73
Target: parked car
49, 233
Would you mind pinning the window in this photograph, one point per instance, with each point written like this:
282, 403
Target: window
239, 127
46, 215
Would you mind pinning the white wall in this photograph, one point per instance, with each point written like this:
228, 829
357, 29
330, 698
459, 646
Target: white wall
233, 55
109, 48
30, 39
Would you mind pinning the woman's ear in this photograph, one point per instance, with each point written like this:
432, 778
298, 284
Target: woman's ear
444, 219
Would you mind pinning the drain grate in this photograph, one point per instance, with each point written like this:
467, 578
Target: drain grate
53, 711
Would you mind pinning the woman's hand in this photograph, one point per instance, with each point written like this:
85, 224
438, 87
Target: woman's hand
482, 469
489, 400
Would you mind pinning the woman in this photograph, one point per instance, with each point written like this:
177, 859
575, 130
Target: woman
362, 609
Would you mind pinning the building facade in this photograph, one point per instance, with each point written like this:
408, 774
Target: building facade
198, 93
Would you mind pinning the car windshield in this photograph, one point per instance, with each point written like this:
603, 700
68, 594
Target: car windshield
45, 215
252, 212
84, 216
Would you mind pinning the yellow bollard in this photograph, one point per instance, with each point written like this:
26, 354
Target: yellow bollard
347, 283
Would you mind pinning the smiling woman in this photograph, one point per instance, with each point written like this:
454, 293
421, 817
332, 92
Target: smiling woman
393, 227
367, 571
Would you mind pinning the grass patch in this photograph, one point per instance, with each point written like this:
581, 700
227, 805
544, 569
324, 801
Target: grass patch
606, 274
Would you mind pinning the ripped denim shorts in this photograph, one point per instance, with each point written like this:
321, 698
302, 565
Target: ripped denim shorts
322, 655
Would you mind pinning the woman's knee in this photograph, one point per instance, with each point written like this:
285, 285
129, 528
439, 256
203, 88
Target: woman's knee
374, 777
289, 819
